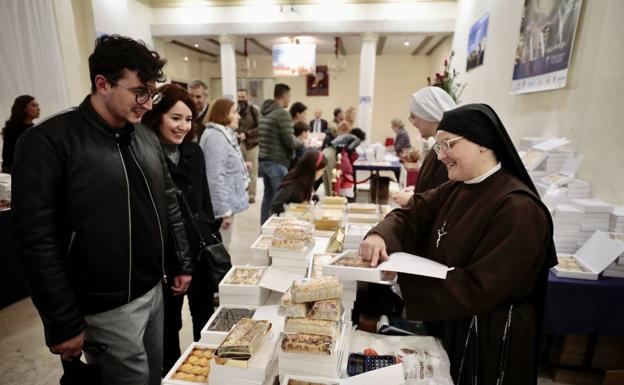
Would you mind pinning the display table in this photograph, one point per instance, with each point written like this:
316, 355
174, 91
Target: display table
578, 306
12, 283
374, 168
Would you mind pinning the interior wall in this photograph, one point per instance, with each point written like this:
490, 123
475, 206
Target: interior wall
125, 17
587, 111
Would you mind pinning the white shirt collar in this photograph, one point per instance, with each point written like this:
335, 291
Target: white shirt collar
484, 176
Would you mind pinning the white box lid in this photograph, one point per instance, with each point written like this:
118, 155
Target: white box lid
600, 251
551, 144
277, 279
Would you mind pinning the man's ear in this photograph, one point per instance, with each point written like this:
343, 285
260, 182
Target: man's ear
102, 86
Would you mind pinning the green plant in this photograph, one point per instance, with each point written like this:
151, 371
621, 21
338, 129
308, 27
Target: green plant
446, 80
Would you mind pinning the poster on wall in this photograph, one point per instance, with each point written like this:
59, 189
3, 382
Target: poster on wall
476, 42
317, 84
545, 45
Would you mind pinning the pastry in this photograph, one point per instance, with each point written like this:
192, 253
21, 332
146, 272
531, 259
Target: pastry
351, 259
334, 200
316, 289
329, 310
317, 264
310, 326
245, 276
569, 263
264, 242
362, 208
289, 244
288, 308
294, 231
307, 343
244, 339
227, 318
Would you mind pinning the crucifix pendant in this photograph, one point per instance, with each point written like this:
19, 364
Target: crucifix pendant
441, 232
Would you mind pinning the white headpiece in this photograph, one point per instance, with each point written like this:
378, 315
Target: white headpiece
429, 103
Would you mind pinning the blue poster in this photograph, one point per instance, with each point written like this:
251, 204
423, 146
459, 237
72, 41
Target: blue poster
545, 45
476, 42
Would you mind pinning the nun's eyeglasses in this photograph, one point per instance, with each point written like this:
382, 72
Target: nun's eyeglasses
446, 145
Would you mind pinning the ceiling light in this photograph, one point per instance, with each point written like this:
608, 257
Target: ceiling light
196, 45
185, 58
406, 42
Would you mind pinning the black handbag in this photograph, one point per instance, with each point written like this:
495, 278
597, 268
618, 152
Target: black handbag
215, 257
76, 372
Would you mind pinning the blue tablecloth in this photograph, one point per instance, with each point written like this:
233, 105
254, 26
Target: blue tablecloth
578, 306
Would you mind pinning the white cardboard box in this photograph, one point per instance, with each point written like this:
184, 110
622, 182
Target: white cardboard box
310, 379
259, 254
367, 274
293, 254
355, 232
168, 380
596, 255
227, 299
216, 337
242, 290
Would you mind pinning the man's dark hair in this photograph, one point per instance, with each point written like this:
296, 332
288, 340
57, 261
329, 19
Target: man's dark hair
359, 133
114, 53
297, 108
242, 90
300, 127
279, 90
337, 111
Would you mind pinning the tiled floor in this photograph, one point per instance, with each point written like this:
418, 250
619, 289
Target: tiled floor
24, 358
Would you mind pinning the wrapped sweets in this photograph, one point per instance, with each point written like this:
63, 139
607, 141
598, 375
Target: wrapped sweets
300, 231
316, 289
307, 343
317, 264
329, 310
228, 317
245, 276
289, 308
351, 259
569, 263
289, 244
334, 201
310, 326
244, 339
362, 208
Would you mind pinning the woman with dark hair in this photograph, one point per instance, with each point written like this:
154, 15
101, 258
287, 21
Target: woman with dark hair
298, 112
489, 224
172, 120
298, 184
25, 109
225, 168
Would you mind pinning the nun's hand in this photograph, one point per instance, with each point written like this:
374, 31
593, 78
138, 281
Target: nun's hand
373, 249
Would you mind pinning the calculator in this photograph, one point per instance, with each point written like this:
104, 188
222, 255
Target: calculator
359, 363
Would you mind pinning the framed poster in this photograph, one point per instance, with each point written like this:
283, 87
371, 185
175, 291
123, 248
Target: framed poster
476, 42
317, 84
545, 45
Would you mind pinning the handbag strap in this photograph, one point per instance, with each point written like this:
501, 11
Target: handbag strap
202, 240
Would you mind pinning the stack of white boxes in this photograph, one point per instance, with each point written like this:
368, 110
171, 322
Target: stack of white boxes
348, 297
616, 220
567, 221
579, 189
354, 234
597, 215
554, 161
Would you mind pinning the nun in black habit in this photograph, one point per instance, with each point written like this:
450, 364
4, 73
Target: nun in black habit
489, 223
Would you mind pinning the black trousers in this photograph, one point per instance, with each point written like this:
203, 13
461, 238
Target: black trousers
200, 296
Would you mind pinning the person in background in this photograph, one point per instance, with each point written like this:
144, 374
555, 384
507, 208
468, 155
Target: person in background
172, 120
347, 139
199, 92
248, 132
302, 133
350, 116
332, 129
318, 124
298, 112
25, 109
277, 144
298, 185
489, 224
225, 168
339, 116
427, 106
94, 207
402, 139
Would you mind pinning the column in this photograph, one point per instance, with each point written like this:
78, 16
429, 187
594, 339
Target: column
367, 83
228, 67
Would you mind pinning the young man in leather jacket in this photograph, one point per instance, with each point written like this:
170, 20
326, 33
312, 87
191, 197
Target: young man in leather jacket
94, 207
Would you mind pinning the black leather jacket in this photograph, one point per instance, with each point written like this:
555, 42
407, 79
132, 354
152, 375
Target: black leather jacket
71, 209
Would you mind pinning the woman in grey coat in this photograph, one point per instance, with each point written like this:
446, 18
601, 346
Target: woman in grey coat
225, 168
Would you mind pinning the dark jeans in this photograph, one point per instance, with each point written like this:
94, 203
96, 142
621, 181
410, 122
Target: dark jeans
200, 297
272, 175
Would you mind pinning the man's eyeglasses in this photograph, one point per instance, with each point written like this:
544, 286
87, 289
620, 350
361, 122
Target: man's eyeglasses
446, 145
141, 96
